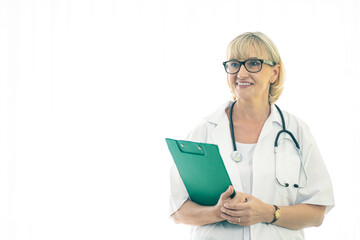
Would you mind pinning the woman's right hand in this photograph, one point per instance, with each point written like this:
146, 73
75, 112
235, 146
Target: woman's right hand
224, 198
194, 214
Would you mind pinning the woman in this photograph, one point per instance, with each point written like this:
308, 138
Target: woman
277, 195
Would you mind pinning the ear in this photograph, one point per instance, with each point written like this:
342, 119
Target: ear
276, 71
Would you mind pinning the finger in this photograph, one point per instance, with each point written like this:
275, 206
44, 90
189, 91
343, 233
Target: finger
227, 200
233, 220
235, 206
245, 197
232, 213
239, 222
225, 195
240, 197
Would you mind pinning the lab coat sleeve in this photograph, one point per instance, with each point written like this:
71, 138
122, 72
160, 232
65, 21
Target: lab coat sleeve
178, 192
319, 189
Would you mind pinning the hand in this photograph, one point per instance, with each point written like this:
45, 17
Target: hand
224, 198
239, 198
246, 210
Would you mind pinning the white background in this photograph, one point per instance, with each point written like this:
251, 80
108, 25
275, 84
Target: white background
90, 89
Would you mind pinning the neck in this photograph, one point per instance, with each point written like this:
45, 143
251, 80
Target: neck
254, 111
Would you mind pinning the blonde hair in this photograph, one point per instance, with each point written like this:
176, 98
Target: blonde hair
239, 48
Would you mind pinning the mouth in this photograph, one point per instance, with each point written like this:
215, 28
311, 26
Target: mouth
244, 84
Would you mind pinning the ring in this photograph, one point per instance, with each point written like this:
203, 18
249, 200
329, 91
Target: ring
239, 220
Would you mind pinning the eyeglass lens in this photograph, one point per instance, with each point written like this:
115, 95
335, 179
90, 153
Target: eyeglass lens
251, 65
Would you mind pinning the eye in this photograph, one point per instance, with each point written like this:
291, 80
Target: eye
234, 64
253, 63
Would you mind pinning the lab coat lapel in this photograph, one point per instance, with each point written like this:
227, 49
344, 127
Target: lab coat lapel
268, 127
222, 137
263, 159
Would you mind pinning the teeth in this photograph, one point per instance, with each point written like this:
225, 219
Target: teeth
243, 84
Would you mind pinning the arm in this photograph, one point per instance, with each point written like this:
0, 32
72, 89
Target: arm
300, 216
195, 214
254, 211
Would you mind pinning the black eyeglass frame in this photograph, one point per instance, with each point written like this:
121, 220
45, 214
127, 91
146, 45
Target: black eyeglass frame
268, 62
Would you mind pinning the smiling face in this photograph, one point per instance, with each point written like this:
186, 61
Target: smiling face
247, 86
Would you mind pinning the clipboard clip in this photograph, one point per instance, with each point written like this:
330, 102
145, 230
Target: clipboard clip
190, 147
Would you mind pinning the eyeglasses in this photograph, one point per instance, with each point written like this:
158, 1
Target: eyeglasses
252, 65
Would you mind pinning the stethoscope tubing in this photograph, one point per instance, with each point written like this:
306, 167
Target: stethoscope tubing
237, 158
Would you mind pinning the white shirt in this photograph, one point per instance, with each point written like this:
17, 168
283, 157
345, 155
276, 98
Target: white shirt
215, 129
245, 165
245, 172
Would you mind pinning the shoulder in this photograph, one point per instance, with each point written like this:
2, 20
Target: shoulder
201, 132
298, 127
295, 121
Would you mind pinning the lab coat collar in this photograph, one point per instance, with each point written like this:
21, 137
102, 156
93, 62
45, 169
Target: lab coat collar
218, 115
275, 115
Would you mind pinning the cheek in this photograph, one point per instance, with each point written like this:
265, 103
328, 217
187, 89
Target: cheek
230, 79
262, 79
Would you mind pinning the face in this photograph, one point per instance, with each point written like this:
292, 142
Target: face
248, 86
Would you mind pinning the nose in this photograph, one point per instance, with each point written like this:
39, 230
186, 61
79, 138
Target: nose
242, 73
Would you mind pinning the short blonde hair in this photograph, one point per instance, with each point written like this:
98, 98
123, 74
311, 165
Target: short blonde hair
239, 48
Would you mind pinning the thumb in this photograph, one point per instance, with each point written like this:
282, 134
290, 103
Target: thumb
225, 195
248, 197
245, 197
241, 197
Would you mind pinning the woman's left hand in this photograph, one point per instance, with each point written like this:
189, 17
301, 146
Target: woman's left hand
247, 213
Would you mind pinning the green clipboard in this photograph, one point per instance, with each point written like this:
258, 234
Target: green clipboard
202, 170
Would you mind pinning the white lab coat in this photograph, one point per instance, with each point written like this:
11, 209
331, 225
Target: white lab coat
215, 129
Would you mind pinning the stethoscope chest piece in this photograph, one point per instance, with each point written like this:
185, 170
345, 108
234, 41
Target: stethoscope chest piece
236, 156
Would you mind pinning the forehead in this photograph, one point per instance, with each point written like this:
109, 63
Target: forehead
246, 50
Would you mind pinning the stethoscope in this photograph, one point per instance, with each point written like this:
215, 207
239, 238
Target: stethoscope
236, 155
